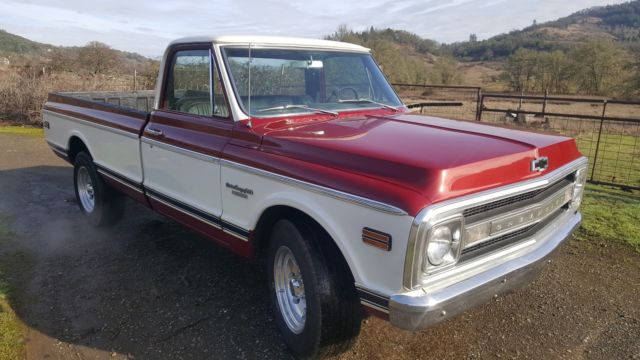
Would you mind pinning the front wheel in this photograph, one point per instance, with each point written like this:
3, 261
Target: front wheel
316, 306
102, 205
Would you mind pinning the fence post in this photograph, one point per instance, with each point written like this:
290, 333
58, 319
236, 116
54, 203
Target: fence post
595, 156
544, 102
520, 103
478, 104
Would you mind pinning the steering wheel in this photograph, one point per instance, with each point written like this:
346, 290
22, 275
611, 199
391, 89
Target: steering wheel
335, 93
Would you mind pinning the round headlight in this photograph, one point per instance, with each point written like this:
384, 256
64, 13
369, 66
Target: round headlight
439, 245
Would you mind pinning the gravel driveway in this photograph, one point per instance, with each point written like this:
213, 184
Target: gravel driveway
150, 289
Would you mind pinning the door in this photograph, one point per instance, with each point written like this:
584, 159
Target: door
182, 143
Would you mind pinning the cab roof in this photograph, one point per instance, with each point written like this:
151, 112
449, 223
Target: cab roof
258, 40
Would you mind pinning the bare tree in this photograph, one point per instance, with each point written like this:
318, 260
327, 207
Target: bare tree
98, 58
520, 70
445, 71
62, 60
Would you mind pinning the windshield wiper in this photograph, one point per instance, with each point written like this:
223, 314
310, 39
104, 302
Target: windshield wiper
293, 106
367, 101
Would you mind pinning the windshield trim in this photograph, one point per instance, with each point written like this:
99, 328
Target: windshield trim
241, 105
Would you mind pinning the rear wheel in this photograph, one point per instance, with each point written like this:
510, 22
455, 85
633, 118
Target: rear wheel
316, 306
102, 205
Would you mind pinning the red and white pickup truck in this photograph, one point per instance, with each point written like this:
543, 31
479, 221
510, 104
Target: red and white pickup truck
299, 152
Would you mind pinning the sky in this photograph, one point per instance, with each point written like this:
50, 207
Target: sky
147, 26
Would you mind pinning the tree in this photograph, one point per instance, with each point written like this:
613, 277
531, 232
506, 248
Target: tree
445, 71
98, 58
598, 66
553, 72
632, 88
148, 74
343, 33
473, 38
62, 60
520, 70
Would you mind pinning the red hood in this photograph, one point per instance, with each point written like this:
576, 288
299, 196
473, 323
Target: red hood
437, 158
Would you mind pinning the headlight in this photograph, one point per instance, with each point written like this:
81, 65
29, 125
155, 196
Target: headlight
578, 187
442, 245
438, 241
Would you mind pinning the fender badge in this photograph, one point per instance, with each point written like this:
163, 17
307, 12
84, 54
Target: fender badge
540, 164
239, 191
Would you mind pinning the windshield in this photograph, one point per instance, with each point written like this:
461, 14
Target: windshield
273, 82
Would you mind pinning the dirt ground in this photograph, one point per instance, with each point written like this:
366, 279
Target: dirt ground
150, 289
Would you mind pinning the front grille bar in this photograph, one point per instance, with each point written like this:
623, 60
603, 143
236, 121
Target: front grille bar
510, 238
484, 211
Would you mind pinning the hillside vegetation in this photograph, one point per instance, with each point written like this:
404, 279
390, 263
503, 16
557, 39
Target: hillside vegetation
23, 52
617, 23
592, 52
30, 70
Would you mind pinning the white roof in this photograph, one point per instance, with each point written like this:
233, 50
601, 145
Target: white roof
258, 40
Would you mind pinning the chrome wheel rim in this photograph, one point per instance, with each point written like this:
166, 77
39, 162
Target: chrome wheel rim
289, 289
85, 190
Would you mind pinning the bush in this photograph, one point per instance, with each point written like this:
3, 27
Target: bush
21, 98
23, 93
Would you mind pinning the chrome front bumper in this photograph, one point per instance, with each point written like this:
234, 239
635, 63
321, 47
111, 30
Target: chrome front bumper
420, 309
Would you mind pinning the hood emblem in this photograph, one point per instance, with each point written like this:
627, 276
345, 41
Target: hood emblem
540, 164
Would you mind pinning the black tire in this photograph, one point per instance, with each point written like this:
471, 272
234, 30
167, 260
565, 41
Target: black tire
108, 205
333, 310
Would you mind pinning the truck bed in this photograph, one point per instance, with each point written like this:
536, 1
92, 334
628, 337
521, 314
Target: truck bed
140, 100
109, 123
126, 111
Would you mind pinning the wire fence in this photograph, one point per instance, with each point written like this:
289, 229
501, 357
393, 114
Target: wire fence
606, 131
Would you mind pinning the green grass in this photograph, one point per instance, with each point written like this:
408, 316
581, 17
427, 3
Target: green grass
610, 215
618, 157
22, 130
11, 336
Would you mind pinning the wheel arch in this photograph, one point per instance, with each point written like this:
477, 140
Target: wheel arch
76, 144
272, 214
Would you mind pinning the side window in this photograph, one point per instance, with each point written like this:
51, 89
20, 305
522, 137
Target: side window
188, 87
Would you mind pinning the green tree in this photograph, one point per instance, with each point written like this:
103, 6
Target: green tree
598, 66
632, 88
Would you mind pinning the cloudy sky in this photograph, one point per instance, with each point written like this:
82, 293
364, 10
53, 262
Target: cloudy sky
146, 26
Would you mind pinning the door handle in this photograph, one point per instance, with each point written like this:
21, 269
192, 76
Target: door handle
154, 132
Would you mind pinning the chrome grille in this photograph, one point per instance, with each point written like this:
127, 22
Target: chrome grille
517, 200
502, 222
498, 239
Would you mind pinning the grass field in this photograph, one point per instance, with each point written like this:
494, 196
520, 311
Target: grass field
618, 158
610, 215
22, 130
11, 336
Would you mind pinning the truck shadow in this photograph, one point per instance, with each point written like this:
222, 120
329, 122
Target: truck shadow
145, 288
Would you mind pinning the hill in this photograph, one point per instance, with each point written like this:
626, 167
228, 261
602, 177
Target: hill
16, 48
619, 23
21, 51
